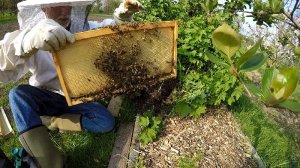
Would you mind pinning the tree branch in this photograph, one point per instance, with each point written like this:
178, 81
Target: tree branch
294, 24
294, 9
290, 16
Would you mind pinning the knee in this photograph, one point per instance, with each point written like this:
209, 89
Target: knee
101, 124
17, 92
106, 125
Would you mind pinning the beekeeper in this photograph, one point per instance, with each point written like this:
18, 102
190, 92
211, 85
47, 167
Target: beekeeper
45, 26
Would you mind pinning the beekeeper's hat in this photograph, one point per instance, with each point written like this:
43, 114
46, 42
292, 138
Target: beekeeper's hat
30, 12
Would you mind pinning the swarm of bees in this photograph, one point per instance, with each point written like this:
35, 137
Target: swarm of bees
126, 71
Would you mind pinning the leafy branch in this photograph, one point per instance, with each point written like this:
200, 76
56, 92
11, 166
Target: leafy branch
266, 13
277, 84
228, 42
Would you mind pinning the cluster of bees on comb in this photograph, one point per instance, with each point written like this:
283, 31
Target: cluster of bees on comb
121, 63
127, 71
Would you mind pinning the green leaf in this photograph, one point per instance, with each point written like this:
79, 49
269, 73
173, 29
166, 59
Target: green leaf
183, 109
144, 138
291, 105
297, 51
212, 4
182, 51
199, 111
258, 5
156, 122
151, 133
147, 135
250, 53
291, 76
279, 94
253, 89
254, 62
296, 96
203, 6
216, 60
227, 40
278, 85
276, 5
144, 122
209, 5
266, 82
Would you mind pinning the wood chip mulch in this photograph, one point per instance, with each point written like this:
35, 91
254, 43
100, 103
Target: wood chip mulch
215, 138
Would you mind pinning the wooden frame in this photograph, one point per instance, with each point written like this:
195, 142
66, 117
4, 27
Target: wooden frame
110, 31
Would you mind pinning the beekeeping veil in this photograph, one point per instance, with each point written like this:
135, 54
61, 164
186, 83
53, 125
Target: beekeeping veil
30, 12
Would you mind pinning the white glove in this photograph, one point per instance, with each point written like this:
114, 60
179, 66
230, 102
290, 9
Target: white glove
47, 35
124, 13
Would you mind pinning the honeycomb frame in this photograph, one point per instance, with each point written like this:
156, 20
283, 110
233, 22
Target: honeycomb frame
74, 63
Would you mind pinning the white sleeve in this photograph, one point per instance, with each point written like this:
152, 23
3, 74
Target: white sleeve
12, 67
117, 19
105, 22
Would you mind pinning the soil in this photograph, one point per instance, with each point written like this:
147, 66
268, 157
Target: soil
214, 140
8, 27
285, 118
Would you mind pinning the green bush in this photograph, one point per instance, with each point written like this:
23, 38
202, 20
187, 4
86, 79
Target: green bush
201, 81
194, 41
160, 10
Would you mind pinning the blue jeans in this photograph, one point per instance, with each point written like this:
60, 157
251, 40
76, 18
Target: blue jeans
28, 103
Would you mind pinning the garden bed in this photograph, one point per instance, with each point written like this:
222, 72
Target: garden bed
214, 140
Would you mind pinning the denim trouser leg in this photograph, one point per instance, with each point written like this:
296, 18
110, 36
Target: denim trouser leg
28, 103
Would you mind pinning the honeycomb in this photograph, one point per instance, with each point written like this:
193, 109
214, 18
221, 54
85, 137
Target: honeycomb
80, 65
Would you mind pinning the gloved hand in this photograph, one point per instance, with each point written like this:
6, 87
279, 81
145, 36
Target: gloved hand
47, 35
124, 13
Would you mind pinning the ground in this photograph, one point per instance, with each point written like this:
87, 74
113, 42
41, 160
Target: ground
7, 27
214, 140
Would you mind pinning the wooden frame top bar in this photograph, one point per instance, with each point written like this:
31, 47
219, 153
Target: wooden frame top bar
123, 28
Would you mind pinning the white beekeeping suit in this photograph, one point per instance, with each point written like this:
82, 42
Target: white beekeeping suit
16, 61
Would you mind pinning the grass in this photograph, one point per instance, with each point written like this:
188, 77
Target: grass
7, 18
5, 88
276, 146
80, 149
93, 17
85, 149
187, 162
